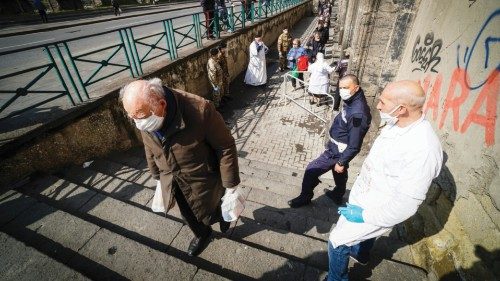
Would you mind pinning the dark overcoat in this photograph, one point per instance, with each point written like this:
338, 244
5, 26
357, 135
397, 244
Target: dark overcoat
198, 155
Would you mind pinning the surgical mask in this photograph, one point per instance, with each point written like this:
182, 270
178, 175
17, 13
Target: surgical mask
345, 94
388, 118
150, 124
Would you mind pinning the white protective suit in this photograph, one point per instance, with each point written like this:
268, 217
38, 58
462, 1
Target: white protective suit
393, 181
256, 72
319, 81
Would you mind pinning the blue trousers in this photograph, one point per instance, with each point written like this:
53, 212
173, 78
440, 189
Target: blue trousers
338, 258
324, 163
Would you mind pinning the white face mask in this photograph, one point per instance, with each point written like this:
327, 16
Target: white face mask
150, 124
345, 94
388, 118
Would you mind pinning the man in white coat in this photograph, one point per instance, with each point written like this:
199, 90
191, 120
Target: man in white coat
256, 74
393, 181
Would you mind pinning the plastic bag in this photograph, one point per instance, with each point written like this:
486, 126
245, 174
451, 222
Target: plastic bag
232, 206
294, 72
158, 205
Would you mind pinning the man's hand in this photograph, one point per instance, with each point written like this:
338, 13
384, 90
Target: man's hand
216, 89
352, 213
339, 169
280, 54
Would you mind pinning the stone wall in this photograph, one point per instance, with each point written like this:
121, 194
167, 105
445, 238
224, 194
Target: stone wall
452, 48
98, 128
452, 52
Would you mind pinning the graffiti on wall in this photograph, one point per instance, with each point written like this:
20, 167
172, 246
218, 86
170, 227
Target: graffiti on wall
426, 53
481, 89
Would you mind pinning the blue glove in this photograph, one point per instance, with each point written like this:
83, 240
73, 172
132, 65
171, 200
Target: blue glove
352, 213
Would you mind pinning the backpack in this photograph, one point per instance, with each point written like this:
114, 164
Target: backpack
302, 63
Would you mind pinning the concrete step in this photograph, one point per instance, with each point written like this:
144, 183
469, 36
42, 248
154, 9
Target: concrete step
149, 229
268, 194
22, 262
85, 247
81, 176
267, 210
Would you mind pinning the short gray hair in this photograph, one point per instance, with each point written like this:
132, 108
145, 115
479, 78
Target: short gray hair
152, 91
409, 99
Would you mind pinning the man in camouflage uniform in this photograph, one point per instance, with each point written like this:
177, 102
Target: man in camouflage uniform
222, 59
284, 42
215, 76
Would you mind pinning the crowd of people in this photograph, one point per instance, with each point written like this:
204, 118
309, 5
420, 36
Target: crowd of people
193, 155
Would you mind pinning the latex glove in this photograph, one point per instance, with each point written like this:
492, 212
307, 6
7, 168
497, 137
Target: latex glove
352, 213
280, 54
158, 184
216, 89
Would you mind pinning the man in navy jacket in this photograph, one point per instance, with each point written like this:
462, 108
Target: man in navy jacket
346, 137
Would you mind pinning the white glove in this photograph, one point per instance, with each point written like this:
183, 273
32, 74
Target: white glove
158, 184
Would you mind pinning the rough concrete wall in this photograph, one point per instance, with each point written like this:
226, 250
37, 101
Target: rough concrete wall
106, 128
384, 27
95, 134
454, 52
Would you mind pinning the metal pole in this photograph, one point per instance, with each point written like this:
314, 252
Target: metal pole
51, 58
66, 69
130, 65
73, 64
215, 23
231, 18
197, 29
135, 51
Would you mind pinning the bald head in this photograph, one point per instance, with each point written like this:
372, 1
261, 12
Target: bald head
406, 92
141, 97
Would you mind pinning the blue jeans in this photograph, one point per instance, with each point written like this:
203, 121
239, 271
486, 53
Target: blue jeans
338, 258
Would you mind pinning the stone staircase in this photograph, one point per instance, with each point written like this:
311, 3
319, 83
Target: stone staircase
96, 223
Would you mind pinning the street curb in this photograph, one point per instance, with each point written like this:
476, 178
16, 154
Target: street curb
61, 26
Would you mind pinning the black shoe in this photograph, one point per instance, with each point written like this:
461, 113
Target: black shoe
335, 197
299, 201
224, 226
360, 261
198, 244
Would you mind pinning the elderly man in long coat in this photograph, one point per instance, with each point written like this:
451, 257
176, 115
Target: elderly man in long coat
189, 150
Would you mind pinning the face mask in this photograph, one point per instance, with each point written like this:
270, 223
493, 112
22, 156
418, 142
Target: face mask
345, 94
150, 124
388, 118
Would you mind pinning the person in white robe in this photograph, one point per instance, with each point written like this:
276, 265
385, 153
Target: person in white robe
319, 81
394, 178
256, 74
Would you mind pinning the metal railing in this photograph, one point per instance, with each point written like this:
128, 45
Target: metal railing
70, 69
285, 95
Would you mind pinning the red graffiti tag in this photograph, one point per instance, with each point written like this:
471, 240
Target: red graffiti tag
456, 95
488, 94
